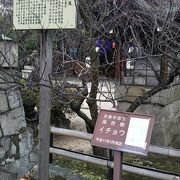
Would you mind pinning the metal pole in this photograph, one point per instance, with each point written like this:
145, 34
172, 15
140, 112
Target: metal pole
51, 145
45, 103
117, 173
87, 136
128, 168
81, 157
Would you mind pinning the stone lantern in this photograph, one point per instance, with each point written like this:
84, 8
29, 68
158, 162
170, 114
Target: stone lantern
8, 52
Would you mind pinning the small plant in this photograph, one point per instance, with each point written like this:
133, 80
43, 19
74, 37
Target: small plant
30, 99
30, 96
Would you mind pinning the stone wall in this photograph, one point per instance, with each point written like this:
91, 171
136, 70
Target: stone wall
165, 105
15, 140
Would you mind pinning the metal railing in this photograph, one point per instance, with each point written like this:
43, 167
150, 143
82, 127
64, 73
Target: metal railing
145, 171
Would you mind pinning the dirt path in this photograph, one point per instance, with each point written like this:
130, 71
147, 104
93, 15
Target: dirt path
74, 144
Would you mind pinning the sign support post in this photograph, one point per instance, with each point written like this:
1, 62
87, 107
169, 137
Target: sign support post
122, 132
118, 161
44, 15
46, 44
110, 170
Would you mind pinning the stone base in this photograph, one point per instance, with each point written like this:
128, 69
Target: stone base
4, 175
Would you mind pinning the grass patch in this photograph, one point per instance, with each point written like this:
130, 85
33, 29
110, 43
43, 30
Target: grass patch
95, 172
80, 168
155, 161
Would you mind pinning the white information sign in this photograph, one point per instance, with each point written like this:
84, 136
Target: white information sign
137, 132
44, 14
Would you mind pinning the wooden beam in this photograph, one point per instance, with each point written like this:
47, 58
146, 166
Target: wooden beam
45, 103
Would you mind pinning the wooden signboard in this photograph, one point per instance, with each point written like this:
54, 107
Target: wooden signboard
44, 14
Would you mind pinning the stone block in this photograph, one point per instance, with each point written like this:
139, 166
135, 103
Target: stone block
158, 137
176, 90
6, 78
3, 102
14, 99
13, 149
25, 144
134, 92
2, 153
1, 133
123, 106
178, 126
172, 129
5, 143
140, 80
166, 96
13, 121
127, 80
170, 109
176, 107
10, 50
9, 160
105, 105
20, 166
149, 109
157, 99
151, 81
5, 175
33, 157
121, 92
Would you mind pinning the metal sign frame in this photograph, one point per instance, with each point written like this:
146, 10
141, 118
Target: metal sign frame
113, 130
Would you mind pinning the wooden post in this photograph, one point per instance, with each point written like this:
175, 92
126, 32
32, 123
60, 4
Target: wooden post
110, 170
117, 173
45, 103
164, 69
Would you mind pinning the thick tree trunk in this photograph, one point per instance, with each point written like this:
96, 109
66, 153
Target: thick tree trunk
92, 103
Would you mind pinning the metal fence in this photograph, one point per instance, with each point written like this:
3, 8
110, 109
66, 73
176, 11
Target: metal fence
141, 170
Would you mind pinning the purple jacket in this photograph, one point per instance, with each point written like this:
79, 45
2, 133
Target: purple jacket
103, 46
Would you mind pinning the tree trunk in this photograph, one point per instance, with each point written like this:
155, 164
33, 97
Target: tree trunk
92, 103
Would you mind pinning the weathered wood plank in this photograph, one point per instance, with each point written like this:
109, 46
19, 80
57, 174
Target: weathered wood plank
45, 103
